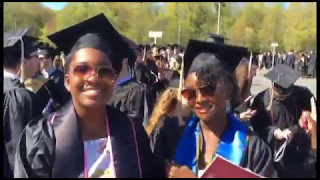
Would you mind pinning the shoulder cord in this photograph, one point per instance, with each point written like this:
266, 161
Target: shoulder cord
278, 154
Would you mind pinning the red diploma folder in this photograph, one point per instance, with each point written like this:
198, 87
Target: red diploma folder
222, 168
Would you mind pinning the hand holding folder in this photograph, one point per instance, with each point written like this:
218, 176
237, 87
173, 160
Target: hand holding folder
222, 168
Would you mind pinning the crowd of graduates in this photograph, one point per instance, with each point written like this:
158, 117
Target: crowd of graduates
100, 105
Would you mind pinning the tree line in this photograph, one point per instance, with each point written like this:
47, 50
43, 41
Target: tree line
254, 25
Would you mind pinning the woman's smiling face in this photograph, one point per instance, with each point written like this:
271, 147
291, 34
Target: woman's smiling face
205, 101
90, 78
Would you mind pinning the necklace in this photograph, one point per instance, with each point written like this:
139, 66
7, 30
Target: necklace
199, 154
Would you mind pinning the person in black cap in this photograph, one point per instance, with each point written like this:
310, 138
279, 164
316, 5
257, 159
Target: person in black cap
312, 65
154, 50
180, 50
54, 87
268, 60
86, 138
19, 63
290, 59
208, 68
279, 109
136, 95
241, 96
46, 56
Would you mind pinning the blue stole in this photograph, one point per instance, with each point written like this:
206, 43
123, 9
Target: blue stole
124, 79
232, 143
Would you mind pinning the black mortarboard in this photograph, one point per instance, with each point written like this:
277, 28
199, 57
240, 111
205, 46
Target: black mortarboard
66, 39
216, 38
48, 52
228, 55
131, 43
282, 75
12, 42
12, 46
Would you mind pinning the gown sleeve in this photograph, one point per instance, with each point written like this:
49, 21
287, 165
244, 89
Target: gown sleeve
36, 151
17, 113
258, 157
164, 140
128, 98
261, 122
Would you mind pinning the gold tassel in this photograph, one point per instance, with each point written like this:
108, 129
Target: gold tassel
22, 73
34, 84
271, 97
179, 93
250, 64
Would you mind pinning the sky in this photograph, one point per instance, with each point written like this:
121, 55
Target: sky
60, 5
55, 5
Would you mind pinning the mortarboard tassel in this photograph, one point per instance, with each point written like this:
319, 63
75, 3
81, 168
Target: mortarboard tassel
250, 64
179, 93
271, 97
22, 76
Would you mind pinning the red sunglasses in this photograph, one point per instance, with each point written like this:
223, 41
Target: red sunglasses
105, 73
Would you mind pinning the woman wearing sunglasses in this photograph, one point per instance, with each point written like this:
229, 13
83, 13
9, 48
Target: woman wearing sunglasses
86, 138
212, 131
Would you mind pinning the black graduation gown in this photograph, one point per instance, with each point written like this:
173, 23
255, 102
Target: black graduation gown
268, 61
53, 88
312, 65
166, 136
50, 90
151, 65
128, 97
285, 115
290, 60
17, 108
57, 150
62, 96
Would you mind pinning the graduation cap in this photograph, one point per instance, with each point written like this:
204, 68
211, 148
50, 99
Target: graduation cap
216, 38
17, 45
282, 75
12, 42
228, 55
131, 43
99, 24
47, 52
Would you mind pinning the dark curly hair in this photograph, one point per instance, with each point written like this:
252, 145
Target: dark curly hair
209, 69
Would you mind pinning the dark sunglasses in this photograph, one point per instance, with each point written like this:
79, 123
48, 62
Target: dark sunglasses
104, 73
206, 90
